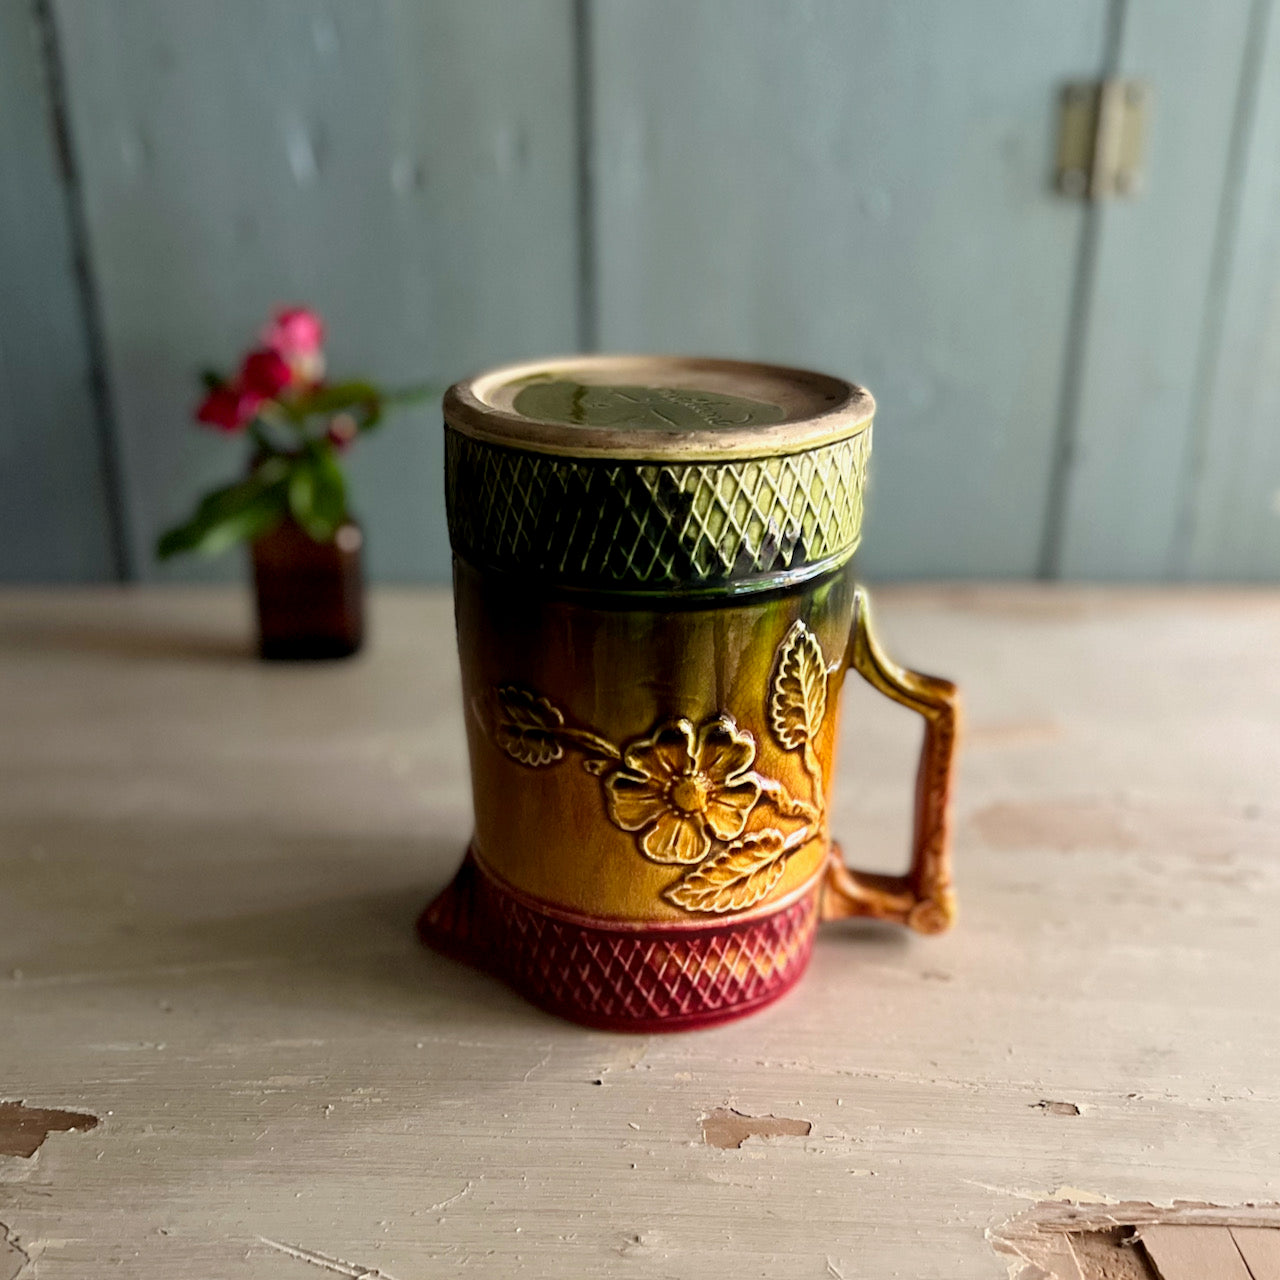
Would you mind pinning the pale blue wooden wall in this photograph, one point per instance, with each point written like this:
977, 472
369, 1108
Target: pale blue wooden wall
858, 185
56, 494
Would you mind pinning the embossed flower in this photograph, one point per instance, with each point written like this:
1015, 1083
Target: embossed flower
680, 787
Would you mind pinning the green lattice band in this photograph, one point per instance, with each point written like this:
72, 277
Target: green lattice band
655, 526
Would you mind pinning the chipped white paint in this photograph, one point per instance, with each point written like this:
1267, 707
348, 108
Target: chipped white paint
225, 859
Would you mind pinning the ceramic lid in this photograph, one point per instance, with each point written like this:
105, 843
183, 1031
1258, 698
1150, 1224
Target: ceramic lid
656, 407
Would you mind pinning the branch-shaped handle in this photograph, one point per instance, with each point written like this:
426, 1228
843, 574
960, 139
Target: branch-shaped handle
923, 898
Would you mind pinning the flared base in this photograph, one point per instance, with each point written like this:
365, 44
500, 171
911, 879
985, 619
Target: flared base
622, 977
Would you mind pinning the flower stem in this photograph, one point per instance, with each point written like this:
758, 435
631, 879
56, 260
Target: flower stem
813, 767
261, 441
785, 803
800, 836
588, 741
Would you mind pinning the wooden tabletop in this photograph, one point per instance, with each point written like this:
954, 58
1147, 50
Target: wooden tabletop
210, 868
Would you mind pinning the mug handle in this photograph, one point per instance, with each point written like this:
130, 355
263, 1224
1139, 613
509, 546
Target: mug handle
923, 899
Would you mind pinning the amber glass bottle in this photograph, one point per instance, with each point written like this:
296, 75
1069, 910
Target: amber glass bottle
310, 595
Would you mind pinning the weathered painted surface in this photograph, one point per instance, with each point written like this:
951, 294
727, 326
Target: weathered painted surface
1232, 516
1152, 294
407, 168
862, 188
54, 522
210, 872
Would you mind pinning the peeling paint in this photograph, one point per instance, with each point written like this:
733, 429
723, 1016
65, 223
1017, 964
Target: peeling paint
729, 1129
1077, 1195
23, 1129
1057, 1108
638, 1242
1065, 1240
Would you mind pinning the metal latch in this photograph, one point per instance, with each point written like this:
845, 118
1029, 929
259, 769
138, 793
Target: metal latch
1100, 136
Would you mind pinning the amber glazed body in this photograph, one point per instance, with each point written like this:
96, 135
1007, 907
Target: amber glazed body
652, 702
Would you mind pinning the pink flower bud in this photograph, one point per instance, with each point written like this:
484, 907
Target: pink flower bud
265, 373
228, 408
294, 331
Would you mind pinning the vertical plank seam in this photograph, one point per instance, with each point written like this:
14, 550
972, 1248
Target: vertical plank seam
1067, 429
1231, 1235
105, 425
1218, 287
585, 126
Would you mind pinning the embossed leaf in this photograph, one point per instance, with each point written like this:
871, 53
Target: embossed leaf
736, 878
799, 697
526, 727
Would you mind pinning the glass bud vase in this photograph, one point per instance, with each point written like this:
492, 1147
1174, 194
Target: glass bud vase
310, 595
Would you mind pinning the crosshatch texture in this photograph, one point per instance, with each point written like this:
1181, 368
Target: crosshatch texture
654, 979
654, 526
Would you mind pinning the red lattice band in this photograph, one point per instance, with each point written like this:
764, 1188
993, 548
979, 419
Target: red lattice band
653, 978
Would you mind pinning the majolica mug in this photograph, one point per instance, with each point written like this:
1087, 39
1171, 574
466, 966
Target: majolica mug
656, 608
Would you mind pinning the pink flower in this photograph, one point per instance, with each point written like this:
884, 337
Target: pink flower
229, 407
265, 373
296, 334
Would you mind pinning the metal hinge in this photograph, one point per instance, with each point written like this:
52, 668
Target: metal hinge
1100, 137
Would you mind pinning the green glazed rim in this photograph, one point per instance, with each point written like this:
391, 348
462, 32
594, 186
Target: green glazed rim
732, 492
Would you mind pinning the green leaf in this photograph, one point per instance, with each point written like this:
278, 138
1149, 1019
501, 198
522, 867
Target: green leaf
235, 513
410, 395
362, 400
330, 503
318, 492
372, 415
302, 489
222, 523
212, 379
337, 396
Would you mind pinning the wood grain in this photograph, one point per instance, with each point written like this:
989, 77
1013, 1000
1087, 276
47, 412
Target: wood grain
1260, 1249
1194, 1253
210, 868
